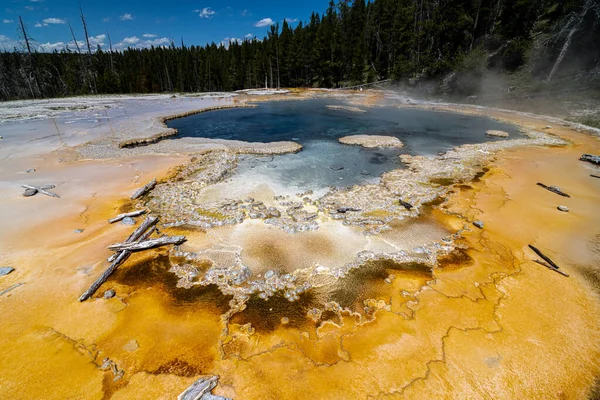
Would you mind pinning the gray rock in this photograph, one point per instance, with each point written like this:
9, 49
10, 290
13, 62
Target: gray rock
79, 230
590, 158
128, 221
563, 208
30, 170
364, 172
337, 167
478, 224
6, 270
30, 192
109, 294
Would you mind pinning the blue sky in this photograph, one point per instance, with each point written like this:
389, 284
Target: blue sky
141, 23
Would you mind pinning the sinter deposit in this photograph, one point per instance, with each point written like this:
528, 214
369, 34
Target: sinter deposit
372, 141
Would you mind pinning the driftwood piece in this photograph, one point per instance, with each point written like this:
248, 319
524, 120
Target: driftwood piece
148, 223
199, 388
551, 268
551, 264
344, 210
143, 232
553, 189
147, 244
143, 190
406, 205
125, 215
43, 190
595, 176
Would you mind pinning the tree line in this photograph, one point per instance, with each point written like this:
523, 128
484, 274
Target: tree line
352, 42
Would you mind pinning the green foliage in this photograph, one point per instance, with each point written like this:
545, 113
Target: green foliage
351, 43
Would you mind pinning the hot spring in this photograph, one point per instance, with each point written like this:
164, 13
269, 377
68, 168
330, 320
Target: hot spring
323, 161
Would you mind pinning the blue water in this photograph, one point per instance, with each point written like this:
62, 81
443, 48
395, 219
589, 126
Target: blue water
323, 161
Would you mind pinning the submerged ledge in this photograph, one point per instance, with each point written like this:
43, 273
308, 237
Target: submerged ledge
169, 132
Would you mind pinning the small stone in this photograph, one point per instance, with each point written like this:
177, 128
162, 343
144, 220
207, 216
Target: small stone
337, 167
548, 127
128, 221
131, 346
478, 224
563, 208
79, 230
30, 192
285, 320
6, 270
30, 170
364, 172
109, 294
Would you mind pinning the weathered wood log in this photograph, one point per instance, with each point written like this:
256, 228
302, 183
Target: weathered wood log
590, 158
125, 215
42, 190
147, 244
551, 268
143, 190
143, 232
406, 205
595, 176
546, 258
344, 210
553, 189
150, 222
199, 388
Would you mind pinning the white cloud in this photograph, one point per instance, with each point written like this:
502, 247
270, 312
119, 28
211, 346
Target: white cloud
54, 21
291, 20
126, 17
131, 40
206, 12
29, 8
107, 19
136, 42
264, 22
246, 13
50, 47
227, 41
249, 36
39, 25
149, 35
7, 21
7, 43
156, 42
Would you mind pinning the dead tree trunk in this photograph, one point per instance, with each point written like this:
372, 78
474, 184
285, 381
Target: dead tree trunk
147, 244
143, 232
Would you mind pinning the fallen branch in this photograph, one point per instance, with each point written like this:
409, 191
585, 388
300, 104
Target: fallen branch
595, 176
42, 190
148, 223
199, 389
147, 244
551, 268
123, 216
546, 258
554, 189
143, 190
143, 232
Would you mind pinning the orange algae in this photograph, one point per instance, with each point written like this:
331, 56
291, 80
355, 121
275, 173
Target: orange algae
486, 323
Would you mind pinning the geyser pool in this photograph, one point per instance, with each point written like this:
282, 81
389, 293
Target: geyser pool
325, 162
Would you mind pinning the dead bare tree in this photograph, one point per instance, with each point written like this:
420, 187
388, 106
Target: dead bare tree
572, 25
74, 39
28, 70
